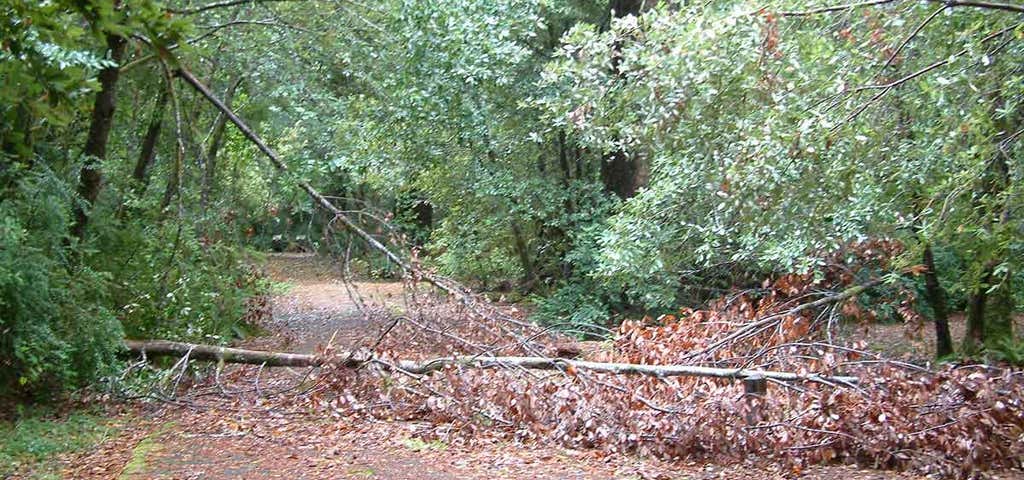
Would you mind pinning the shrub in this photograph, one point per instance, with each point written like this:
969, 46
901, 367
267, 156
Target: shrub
54, 329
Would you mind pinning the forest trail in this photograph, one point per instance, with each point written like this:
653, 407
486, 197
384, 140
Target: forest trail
246, 436
248, 428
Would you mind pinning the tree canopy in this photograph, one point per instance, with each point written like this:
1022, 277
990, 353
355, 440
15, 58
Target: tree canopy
598, 161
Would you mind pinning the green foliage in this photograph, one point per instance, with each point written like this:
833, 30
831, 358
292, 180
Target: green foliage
577, 306
46, 70
771, 142
1008, 350
34, 438
170, 285
64, 303
55, 328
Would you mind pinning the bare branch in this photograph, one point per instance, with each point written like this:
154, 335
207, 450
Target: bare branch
946, 4
910, 37
449, 286
835, 8
987, 5
211, 30
216, 5
887, 87
236, 355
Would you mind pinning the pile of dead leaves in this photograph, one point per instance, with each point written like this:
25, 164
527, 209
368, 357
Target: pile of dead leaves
950, 421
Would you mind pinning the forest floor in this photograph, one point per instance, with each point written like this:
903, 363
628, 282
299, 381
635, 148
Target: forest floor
244, 425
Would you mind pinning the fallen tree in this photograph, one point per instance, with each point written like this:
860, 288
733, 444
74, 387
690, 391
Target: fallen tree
154, 348
195, 351
448, 285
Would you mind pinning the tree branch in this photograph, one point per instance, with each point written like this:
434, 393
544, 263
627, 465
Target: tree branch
835, 8
887, 87
987, 5
223, 4
447, 285
154, 348
1009, 7
910, 37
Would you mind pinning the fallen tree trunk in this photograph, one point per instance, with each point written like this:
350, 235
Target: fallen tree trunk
344, 359
194, 351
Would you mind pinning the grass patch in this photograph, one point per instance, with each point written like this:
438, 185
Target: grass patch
148, 445
418, 445
280, 288
31, 444
362, 472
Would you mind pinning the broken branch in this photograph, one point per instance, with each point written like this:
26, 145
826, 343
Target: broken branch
447, 285
154, 348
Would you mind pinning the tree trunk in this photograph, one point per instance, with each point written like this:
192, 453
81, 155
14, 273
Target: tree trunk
173, 179
423, 212
999, 312
989, 318
91, 178
163, 348
216, 141
523, 252
563, 165
936, 296
148, 152
156, 348
623, 173
974, 339
17, 143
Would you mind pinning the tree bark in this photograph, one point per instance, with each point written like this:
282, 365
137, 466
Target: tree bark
147, 154
936, 296
164, 348
989, 317
974, 340
173, 179
523, 253
622, 173
999, 311
423, 211
91, 178
563, 165
216, 141
154, 348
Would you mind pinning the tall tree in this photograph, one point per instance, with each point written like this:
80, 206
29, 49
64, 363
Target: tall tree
622, 172
209, 181
147, 153
936, 296
95, 152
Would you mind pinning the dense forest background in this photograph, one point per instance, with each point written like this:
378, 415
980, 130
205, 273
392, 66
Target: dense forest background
597, 160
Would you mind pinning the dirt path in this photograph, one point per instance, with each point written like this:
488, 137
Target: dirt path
242, 426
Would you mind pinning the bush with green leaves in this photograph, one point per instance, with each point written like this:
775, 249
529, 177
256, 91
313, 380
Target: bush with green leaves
168, 284
56, 325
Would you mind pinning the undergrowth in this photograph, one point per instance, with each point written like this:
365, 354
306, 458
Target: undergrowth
32, 441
